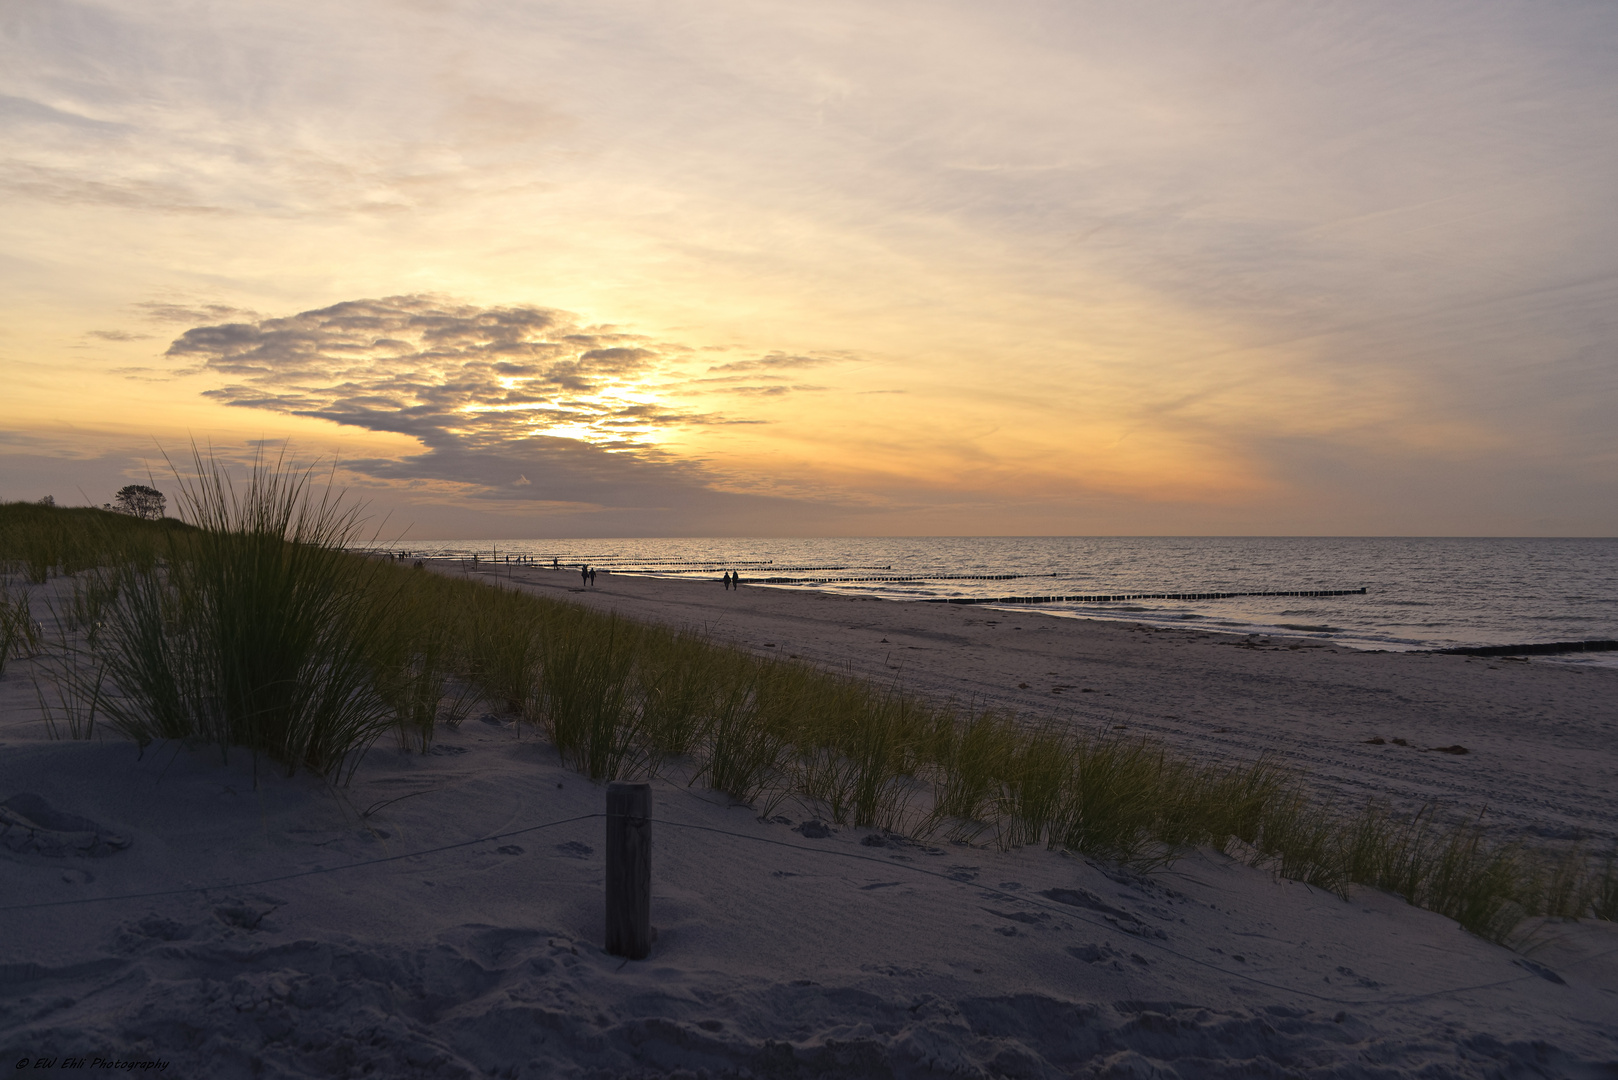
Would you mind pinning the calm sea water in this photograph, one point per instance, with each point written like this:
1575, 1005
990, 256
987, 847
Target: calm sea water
1420, 593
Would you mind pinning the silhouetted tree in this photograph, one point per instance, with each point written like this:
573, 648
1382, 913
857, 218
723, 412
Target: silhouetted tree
140, 501
48, 500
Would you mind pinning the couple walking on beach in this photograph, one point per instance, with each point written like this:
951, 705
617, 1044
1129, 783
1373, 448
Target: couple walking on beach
733, 580
587, 574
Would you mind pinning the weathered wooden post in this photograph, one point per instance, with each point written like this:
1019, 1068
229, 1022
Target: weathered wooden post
629, 869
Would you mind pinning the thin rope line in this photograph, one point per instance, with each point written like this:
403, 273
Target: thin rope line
1065, 910
300, 873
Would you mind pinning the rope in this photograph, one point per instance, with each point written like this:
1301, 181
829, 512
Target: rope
300, 873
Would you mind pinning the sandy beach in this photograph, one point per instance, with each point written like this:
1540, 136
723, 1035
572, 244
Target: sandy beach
1542, 737
442, 916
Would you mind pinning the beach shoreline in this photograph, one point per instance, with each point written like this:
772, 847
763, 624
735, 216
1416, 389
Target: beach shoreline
1514, 591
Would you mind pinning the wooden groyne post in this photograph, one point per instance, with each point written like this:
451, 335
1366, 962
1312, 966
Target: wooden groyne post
629, 869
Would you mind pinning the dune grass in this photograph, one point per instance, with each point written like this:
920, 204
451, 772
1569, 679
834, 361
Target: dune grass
251, 627
39, 541
621, 700
19, 633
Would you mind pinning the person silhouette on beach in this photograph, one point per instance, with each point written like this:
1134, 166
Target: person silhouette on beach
727, 580
584, 574
592, 575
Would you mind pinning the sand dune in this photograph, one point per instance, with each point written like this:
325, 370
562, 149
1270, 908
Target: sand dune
442, 915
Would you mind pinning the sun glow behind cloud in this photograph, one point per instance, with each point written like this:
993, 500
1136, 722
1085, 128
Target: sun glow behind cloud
942, 267
415, 364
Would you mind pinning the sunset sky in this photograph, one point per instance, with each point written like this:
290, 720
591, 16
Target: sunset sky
671, 268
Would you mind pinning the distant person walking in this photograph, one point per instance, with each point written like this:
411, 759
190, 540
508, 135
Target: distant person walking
584, 574
727, 580
592, 575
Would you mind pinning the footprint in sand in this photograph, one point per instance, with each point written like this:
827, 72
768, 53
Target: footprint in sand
30, 824
1096, 954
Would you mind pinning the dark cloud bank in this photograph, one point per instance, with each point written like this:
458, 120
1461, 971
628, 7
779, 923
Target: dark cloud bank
484, 390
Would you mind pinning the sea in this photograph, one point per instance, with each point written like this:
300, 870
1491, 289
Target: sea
1420, 593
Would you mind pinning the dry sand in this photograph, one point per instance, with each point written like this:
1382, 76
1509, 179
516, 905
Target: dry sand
1542, 736
289, 929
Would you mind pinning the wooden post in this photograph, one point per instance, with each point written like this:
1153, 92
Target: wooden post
629, 869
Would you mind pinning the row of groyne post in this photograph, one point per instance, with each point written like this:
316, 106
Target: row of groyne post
1538, 648
1112, 598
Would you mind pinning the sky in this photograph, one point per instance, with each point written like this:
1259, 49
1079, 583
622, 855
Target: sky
529, 269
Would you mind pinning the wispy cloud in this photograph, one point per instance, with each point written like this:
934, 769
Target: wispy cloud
24, 180
772, 363
167, 312
772, 391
